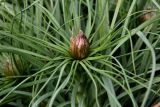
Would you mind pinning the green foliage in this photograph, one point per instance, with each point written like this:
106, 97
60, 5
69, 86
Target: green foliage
121, 69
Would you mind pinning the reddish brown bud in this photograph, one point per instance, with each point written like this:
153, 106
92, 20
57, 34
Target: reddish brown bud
156, 105
12, 67
8, 68
79, 46
147, 15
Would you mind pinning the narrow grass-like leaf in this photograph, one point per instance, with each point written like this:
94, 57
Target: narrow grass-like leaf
90, 75
140, 34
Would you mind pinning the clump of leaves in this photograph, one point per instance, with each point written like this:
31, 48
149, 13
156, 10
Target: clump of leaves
118, 64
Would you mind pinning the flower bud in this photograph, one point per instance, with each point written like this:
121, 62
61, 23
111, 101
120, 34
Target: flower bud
79, 46
147, 15
12, 67
9, 68
156, 105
